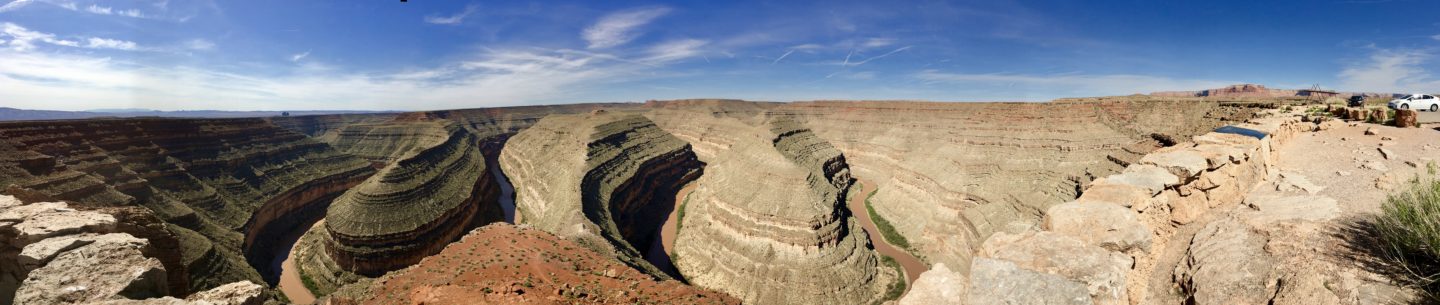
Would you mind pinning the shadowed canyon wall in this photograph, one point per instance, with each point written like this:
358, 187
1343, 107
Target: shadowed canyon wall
766, 222
604, 179
211, 181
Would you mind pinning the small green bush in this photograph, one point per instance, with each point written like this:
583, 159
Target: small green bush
898, 288
1409, 229
887, 230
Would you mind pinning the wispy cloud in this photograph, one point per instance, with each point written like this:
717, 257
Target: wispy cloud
199, 45
15, 5
1062, 85
102, 43
675, 50
877, 42
493, 78
22, 39
105, 10
619, 28
457, 18
1394, 71
298, 56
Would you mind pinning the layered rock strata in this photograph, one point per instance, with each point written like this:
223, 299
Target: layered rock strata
951, 174
55, 254
607, 180
437, 190
766, 222
212, 180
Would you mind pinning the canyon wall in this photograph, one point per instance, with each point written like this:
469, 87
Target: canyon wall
207, 178
604, 179
766, 222
437, 190
951, 174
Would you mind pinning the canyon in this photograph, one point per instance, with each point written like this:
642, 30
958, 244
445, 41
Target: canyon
683, 201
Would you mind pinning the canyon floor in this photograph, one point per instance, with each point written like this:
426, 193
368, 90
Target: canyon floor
1116, 200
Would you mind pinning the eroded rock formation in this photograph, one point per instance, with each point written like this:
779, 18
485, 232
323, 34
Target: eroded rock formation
605, 179
438, 190
212, 181
766, 222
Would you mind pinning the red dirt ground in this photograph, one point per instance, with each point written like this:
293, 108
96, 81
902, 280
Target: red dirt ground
507, 264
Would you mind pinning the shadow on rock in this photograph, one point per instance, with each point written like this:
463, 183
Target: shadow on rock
1364, 246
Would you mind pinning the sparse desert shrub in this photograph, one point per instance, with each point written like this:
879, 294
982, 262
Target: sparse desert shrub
1409, 230
887, 230
897, 288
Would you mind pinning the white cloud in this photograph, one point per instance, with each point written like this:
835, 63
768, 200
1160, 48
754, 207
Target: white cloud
1435, 37
39, 80
877, 42
675, 50
297, 57
102, 43
1389, 71
453, 19
200, 45
1063, 85
618, 28
96, 9
104, 10
15, 5
23, 39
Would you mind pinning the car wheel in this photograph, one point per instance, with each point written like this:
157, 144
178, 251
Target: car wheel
1434, 107
1404, 106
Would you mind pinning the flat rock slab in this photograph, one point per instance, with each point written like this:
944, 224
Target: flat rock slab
95, 272
37, 254
1147, 177
1272, 209
1001, 282
1102, 272
1227, 264
1102, 224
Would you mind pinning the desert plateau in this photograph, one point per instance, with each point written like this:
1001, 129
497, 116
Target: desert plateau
911, 152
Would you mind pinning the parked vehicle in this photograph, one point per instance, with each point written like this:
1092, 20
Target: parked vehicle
1356, 101
1416, 101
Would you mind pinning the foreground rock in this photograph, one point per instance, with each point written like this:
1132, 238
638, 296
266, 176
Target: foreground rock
506, 264
69, 256
939, 285
608, 180
766, 223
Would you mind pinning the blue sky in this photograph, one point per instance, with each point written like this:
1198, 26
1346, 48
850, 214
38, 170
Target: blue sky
431, 54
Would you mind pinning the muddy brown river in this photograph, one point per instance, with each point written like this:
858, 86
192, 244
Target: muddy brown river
913, 267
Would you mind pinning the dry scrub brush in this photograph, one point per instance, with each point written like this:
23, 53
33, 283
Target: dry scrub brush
1409, 230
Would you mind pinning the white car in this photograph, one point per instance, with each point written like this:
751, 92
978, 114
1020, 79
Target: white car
1417, 101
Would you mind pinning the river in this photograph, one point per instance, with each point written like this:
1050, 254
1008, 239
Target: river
913, 267
290, 283
664, 245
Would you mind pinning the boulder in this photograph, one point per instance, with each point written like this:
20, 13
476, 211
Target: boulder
1379, 115
1121, 194
1100, 271
237, 293
1102, 224
1181, 162
37, 254
1371, 131
1406, 118
96, 272
1001, 282
1356, 114
937, 286
1226, 263
1386, 153
1147, 177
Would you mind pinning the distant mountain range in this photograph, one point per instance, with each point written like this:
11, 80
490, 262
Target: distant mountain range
12, 114
1253, 90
